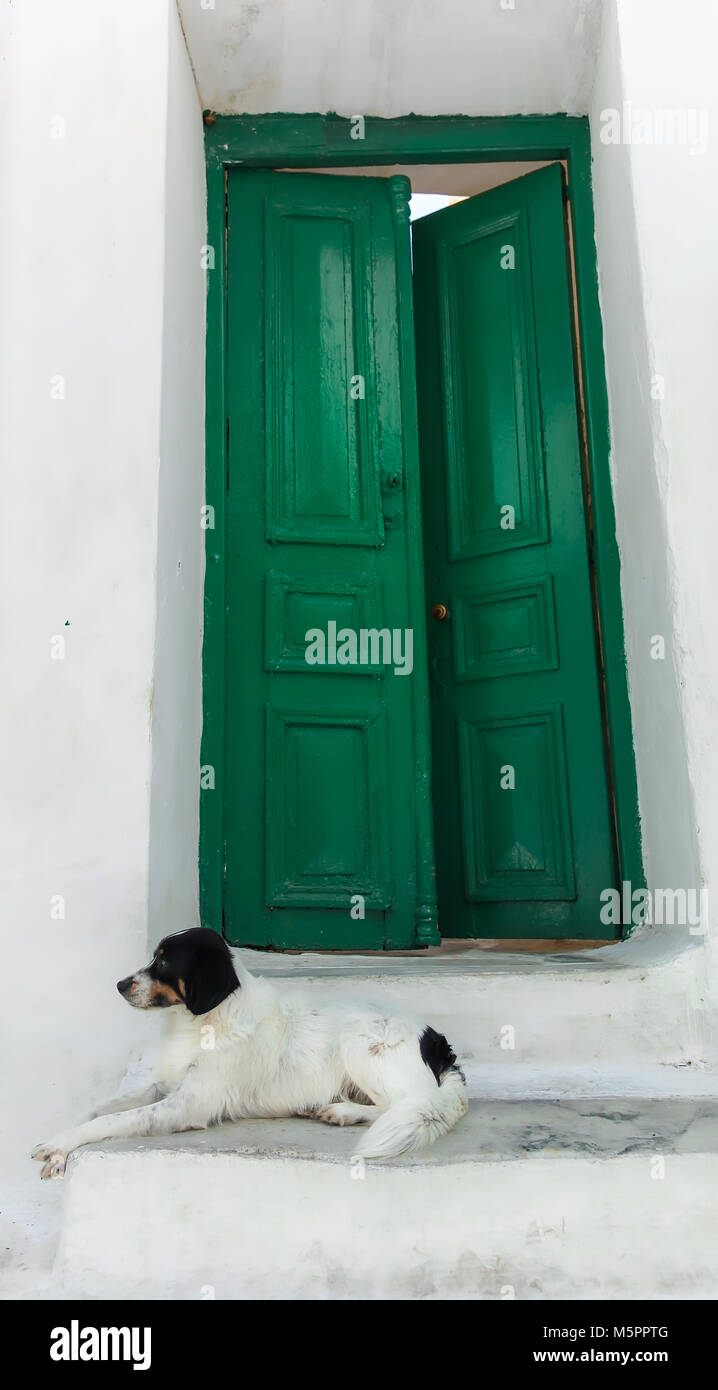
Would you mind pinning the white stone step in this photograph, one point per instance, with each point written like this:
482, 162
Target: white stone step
525, 1199
589, 1022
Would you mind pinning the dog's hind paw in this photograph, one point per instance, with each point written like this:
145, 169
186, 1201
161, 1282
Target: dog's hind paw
339, 1113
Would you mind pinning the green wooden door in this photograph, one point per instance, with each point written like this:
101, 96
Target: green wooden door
523, 831
322, 535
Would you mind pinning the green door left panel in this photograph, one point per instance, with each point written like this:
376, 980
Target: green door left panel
318, 813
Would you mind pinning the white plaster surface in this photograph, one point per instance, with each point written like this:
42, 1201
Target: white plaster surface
658, 275
656, 207
460, 180
177, 694
552, 1200
82, 284
576, 1021
81, 281
393, 57
639, 451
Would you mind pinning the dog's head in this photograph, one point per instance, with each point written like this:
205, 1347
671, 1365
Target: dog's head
193, 967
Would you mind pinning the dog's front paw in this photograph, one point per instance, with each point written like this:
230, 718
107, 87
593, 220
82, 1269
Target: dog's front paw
52, 1159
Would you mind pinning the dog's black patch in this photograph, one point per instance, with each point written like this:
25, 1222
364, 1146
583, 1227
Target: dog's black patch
438, 1054
198, 965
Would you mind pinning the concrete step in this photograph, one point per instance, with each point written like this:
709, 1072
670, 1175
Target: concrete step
575, 1199
581, 1023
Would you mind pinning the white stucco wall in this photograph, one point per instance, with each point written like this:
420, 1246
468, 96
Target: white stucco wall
655, 225
668, 62
86, 255
392, 57
638, 452
177, 698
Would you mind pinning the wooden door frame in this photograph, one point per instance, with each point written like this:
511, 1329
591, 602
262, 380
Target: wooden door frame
314, 141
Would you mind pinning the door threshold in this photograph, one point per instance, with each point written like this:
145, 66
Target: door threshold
451, 945
461, 962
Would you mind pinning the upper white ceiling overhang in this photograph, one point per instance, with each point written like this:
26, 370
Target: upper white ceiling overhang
393, 57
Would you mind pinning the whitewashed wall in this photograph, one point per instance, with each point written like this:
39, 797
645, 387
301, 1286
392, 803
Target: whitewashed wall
177, 702
100, 283
393, 57
656, 206
667, 55
639, 457
85, 255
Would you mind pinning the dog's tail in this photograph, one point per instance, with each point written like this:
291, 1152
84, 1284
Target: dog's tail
413, 1124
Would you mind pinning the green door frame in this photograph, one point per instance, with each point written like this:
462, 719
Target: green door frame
313, 141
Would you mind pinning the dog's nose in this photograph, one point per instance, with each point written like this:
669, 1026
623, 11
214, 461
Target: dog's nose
125, 986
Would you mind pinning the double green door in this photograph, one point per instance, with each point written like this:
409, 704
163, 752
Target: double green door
329, 792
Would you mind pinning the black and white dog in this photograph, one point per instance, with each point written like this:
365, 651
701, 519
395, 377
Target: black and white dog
235, 1046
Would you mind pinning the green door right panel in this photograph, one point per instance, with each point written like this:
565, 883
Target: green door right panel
524, 842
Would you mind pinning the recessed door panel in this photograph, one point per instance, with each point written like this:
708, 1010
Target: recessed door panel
515, 819
494, 483
322, 447
505, 630
326, 832
295, 606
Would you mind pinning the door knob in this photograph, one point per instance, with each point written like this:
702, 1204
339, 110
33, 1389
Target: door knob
440, 612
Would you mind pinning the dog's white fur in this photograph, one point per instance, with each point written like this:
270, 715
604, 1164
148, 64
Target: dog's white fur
269, 1051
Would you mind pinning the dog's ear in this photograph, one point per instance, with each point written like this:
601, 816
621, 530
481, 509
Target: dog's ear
210, 980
